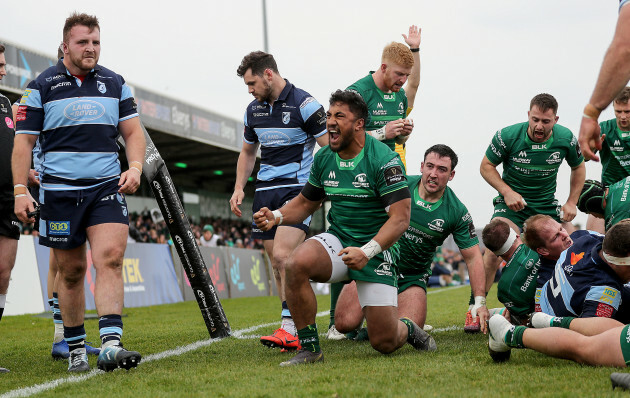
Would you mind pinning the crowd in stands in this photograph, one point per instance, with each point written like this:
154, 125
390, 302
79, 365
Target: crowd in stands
208, 231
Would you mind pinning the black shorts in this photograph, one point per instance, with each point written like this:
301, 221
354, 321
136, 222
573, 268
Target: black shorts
66, 215
274, 199
9, 223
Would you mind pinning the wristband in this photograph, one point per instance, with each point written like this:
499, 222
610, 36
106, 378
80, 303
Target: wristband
19, 189
371, 249
379, 134
135, 168
277, 215
591, 112
415, 50
135, 161
20, 195
480, 301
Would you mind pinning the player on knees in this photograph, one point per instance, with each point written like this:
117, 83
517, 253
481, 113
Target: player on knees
388, 104
370, 206
436, 213
531, 153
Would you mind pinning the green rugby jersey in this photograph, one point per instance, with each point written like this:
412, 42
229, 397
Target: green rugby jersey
382, 107
355, 187
531, 168
617, 202
430, 225
517, 286
615, 154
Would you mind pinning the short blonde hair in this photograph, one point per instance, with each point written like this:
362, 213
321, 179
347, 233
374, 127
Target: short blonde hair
398, 54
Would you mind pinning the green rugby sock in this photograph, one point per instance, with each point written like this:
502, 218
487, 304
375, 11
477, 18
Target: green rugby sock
562, 321
407, 322
309, 338
514, 337
335, 290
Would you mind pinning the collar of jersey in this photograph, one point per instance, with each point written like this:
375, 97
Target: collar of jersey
529, 141
355, 161
417, 198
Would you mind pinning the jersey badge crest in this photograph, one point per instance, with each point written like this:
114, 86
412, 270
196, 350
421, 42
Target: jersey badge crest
101, 87
437, 225
286, 117
576, 257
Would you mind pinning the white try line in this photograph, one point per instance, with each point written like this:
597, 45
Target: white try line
239, 334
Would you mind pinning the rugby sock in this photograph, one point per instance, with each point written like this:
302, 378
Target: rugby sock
111, 329
58, 322
3, 301
309, 338
409, 325
514, 336
561, 321
75, 337
287, 320
335, 290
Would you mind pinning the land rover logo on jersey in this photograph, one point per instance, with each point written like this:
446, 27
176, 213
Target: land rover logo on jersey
101, 87
437, 225
286, 117
360, 181
554, 158
84, 110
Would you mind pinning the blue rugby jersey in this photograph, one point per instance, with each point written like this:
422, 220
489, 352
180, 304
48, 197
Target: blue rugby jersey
286, 132
583, 285
77, 124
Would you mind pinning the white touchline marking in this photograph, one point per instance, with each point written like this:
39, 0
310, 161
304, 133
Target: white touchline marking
239, 334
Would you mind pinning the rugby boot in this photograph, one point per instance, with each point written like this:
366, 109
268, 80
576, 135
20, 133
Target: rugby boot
281, 338
115, 356
60, 350
472, 324
304, 357
78, 362
334, 334
620, 380
419, 339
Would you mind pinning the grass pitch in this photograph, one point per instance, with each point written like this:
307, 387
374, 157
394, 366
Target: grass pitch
180, 360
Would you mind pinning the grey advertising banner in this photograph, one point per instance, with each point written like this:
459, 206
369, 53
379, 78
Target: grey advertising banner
165, 114
156, 111
247, 273
216, 262
23, 66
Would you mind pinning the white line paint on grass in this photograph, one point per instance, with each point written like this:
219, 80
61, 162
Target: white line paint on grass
239, 334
